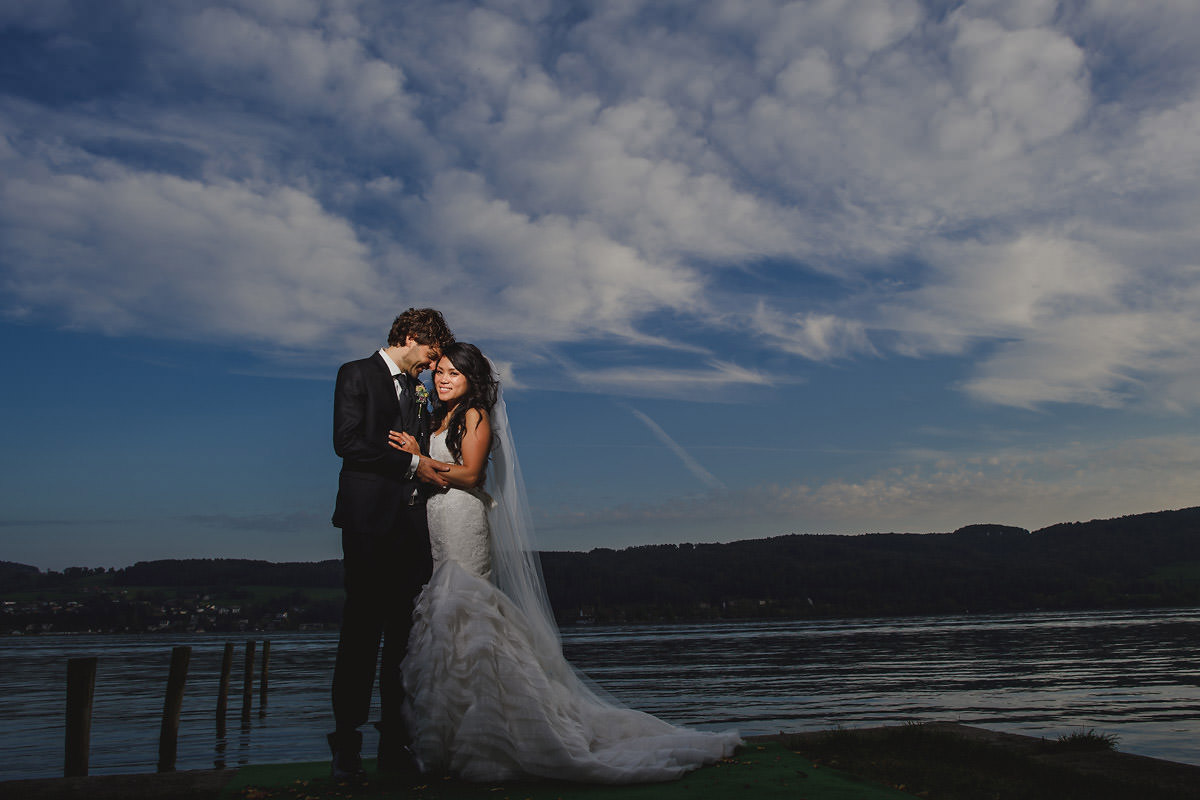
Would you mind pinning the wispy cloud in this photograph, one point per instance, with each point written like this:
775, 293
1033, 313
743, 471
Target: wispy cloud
935, 492
693, 466
710, 383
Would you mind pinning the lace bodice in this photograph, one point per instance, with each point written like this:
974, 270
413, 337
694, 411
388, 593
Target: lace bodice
458, 526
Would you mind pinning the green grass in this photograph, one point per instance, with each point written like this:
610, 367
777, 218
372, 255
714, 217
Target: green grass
766, 771
942, 766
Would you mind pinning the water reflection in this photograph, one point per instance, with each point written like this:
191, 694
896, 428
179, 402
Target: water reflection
1133, 674
1129, 673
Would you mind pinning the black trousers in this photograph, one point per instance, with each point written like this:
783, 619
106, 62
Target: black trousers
383, 573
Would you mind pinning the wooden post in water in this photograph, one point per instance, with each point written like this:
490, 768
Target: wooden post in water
248, 683
168, 738
81, 687
223, 688
262, 678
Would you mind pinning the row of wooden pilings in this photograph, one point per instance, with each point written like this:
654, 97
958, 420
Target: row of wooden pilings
81, 687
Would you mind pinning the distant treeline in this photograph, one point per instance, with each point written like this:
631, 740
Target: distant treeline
218, 573
1147, 560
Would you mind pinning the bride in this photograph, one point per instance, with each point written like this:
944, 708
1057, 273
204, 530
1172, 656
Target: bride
489, 694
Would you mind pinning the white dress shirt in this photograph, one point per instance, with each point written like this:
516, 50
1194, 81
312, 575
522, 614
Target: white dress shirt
398, 379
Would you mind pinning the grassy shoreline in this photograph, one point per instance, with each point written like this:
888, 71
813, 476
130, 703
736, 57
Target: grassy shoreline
936, 761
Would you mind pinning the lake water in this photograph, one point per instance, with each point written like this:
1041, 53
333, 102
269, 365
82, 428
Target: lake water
1133, 674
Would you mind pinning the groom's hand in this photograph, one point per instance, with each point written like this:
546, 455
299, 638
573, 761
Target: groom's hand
432, 471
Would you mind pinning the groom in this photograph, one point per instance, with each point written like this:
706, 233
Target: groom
385, 539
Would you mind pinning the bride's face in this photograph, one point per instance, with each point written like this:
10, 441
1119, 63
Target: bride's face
448, 382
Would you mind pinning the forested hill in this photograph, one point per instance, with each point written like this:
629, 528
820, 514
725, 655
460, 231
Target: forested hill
1143, 560
1147, 560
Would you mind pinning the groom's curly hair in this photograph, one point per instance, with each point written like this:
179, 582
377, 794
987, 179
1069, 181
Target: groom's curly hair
482, 388
424, 325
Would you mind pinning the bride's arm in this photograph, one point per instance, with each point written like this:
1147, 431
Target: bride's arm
476, 440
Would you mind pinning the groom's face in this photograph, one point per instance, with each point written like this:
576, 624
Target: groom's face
419, 357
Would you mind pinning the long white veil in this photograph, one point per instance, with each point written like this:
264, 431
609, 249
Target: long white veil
516, 568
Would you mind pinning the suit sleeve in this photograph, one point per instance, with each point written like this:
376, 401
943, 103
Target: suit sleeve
351, 426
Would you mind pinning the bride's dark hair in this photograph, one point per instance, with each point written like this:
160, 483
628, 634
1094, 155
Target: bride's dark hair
481, 392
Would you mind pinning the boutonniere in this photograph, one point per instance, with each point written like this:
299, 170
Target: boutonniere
422, 398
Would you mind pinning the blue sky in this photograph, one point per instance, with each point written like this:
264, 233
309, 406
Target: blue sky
751, 268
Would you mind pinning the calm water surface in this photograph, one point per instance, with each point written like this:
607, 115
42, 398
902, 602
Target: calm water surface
1133, 674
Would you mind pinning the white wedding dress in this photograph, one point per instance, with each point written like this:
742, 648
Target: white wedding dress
490, 697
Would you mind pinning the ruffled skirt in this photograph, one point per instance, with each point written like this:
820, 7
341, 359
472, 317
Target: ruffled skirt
485, 703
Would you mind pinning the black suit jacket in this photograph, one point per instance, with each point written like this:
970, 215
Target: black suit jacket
372, 487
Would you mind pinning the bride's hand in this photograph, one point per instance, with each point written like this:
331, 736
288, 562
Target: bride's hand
404, 441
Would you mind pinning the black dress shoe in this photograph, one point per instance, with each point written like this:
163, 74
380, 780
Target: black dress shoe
347, 767
347, 758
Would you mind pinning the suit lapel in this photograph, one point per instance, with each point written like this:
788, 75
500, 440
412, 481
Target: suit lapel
386, 387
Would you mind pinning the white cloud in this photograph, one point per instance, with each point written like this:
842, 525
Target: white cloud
1003, 290
812, 74
121, 251
289, 58
820, 337
549, 278
1010, 182
857, 31
1015, 88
